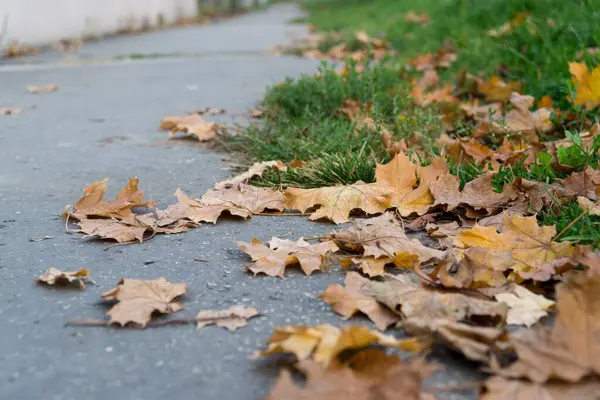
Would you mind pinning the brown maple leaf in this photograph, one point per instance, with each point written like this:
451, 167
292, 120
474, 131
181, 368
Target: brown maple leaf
422, 309
121, 231
245, 200
348, 300
398, 381
282, 253
192, 126
571, 350
42, 88
336, 202
585, 183
234, 318
92, 204
399, 174
323, 343
55, 277
382, 240
256, 169
138, 300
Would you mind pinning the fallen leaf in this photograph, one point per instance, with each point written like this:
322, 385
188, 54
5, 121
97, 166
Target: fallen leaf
497, 90
348, 300
585, 183
588, 206
42, 88
523, 247
254, 113
498, 388
323, 343
256, 169
400, 381
476, 343
241, 199
9, 111
232, 319
587, 84
383, 237
282, 253
524, 307
120, 231
191, 125
138, 300
399, 174
55, 277
17, 50
40, 238
571, 350
92, 204
336, 202
422, 309
520, 119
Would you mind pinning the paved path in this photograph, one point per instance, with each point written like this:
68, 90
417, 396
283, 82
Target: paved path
103, 122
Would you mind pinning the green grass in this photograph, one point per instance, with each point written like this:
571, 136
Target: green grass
302, 121
536, 52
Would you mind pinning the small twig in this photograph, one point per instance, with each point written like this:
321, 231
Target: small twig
200, 259
569, 226
315, 238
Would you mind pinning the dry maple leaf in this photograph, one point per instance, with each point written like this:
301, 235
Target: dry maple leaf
588, 206
524, 307
498, 388
232, 319
92, 204
588, 85
9, 111
398, 381
399, 174
497, 90
585, 183
245, 200
476, 343
139, 299
323, 343
523, 247
192, 125
382, 240
256, 169
42, 88
520, 119
187, 213
571, 350
55, 277
420, 200
348, 300
336, 202
478, 195
282, 253
120, 231
421, 309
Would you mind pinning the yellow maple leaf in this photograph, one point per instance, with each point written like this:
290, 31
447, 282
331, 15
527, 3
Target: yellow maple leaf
336, 202
529, 249
588, 84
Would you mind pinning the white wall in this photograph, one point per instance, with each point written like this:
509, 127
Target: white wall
39, 22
